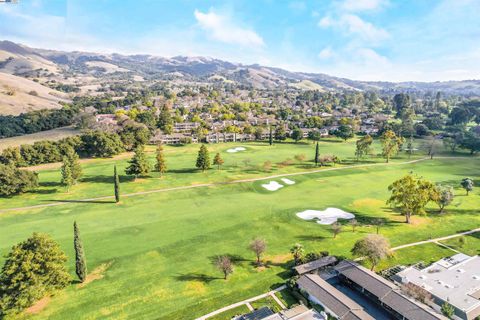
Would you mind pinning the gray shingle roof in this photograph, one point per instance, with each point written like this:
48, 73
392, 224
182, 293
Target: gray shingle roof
364, 277
385, 291
331, 298
313, 265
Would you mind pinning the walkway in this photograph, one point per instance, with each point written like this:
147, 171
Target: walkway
246, 302
436, 239
272, 293
64, 202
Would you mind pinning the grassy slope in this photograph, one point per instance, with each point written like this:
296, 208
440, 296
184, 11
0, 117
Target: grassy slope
161, 245
52, 135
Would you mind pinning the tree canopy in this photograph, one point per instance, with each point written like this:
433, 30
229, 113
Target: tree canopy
33, 269
373, 247
411, 194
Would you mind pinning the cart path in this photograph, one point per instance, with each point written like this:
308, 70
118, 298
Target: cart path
243, 302
272, 293
213, 184
436, 240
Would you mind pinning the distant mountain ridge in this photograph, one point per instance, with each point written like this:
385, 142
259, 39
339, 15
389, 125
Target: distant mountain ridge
204, 69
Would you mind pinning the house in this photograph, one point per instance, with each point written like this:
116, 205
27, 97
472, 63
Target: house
315, 265
455, 280
332, 300
383, 292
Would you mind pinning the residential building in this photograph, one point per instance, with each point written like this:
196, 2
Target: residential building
454, 280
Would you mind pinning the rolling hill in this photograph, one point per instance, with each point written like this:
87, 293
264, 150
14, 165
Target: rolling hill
25, 61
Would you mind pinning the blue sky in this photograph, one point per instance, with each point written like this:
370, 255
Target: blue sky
424, 40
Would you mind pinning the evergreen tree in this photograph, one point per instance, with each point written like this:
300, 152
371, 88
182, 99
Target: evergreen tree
33, 268
161, 165
218, 161
75, 166
116, 182
80, 261
317, 155
67, 176
203, 159
139, 165
71, 169
270, 136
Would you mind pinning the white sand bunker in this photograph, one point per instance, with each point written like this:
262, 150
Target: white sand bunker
287, 181
237, 149
328, 216
272, 186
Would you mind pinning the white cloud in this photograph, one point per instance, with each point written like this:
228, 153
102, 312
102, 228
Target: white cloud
352, 24
326, 53
363, 5
222, 28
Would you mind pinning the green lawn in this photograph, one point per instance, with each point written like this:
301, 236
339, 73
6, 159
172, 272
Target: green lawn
159, 247
470, 246
266, 302
227, 315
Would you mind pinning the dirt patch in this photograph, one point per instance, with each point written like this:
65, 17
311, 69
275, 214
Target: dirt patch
281, 258
97, 274
39, 305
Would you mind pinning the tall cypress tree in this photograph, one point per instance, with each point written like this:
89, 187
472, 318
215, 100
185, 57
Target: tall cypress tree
161, 165
80, 261
270, 136
116, 186
317, 155
203, 159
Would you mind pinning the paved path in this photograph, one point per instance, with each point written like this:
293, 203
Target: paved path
272, 293
436, 239
241, 303
64, 202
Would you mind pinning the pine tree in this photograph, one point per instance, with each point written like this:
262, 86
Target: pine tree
317, 155
218, 161
139, 164
203, 159
67, 176
116, 182
270, 136
80, 261
71, 169
74, 165
161, 165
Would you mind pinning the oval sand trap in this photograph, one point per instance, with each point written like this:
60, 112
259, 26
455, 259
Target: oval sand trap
287, 181
272, 186
327, 216
237, 149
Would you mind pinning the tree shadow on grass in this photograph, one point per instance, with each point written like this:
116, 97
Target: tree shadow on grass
106, 179
43, 191
184, 170
83, 201
308, 237
235, 258
50, 184
197, 277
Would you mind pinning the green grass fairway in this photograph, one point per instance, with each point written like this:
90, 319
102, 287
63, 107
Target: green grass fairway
158, 248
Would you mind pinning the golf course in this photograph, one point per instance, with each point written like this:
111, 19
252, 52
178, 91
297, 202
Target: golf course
151, 255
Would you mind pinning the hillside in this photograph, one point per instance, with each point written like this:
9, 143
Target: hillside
86, 68
19, 95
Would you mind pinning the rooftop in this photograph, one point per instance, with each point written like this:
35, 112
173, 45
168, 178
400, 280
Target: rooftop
455, 279
314, 265
331, 298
